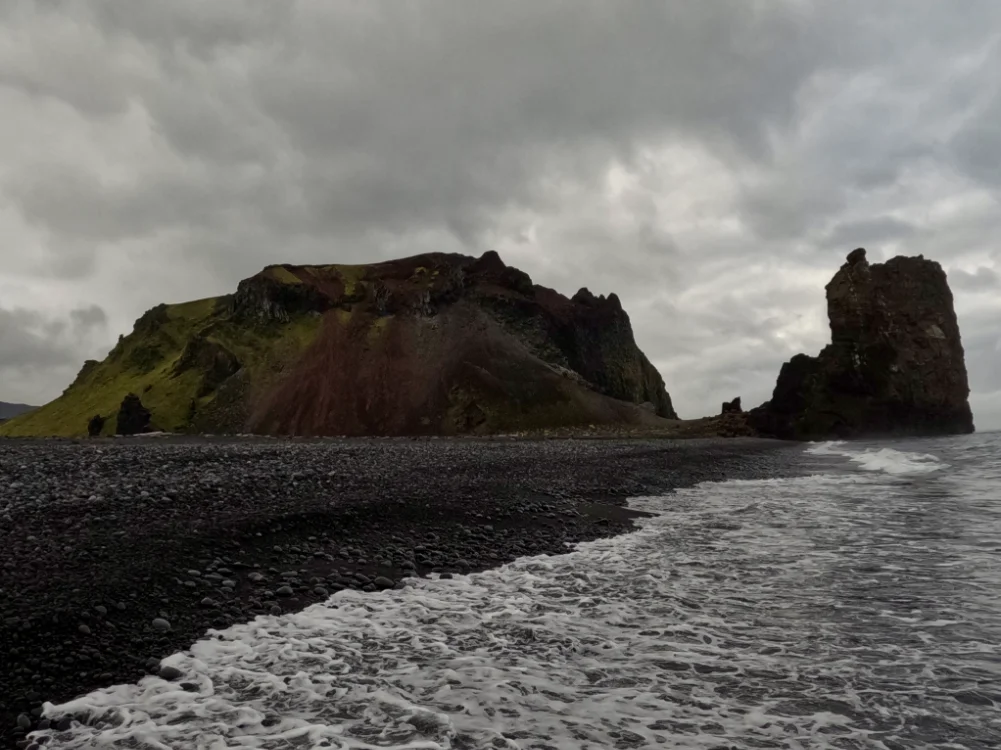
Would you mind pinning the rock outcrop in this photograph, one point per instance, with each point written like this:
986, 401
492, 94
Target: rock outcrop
95, 425
133, 417
895, 364
210, 360
731, 407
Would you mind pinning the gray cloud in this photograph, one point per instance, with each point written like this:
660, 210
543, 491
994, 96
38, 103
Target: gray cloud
871, 231
29, 340
85, 319
981, 279
975, 145
327, 128
39, 350
709, 162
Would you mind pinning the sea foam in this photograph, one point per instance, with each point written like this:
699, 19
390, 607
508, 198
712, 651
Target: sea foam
887, 460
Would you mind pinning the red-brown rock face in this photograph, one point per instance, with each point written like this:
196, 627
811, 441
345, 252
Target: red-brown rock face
444, 343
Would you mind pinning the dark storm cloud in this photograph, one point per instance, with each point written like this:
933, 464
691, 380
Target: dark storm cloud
35, 345
41, 352
28, 341
78, 205
402, 117
711, 162
84, 319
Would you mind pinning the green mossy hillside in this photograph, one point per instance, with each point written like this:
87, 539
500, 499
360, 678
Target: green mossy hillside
151, 362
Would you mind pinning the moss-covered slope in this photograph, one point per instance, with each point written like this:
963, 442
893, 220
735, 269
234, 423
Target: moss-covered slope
434, 344
175, 359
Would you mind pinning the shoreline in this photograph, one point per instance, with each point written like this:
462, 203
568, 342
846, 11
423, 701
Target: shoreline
101, 539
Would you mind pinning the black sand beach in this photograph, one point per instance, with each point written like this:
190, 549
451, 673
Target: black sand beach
116, 553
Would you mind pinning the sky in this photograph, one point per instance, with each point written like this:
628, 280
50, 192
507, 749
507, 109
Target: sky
710, 162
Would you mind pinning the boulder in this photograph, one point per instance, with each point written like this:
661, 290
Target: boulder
895, 365
133, 417
95, 425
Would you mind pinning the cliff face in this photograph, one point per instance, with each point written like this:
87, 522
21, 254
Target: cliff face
433, 344
448, 344
895, 364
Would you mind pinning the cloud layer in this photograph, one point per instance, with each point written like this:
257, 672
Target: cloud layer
712, 163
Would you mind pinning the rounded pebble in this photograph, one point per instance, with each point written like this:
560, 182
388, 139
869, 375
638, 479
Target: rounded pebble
169, 673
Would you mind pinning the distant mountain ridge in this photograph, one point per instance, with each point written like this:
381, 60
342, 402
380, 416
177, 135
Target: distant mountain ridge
432, 344
8, 411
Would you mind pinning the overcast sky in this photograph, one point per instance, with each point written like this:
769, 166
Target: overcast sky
711, 162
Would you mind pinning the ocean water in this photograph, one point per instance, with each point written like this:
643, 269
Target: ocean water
857, 607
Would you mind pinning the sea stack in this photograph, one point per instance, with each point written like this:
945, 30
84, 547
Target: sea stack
894, 367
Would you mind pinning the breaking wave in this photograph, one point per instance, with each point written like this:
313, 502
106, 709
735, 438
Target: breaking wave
887, 460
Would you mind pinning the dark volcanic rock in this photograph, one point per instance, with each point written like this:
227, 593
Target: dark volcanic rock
267, 298
731, 407
602, 349
213, 361
133, 417
895, 364
169, 673
95, 425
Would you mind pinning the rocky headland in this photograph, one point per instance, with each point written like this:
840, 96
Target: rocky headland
437, 344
